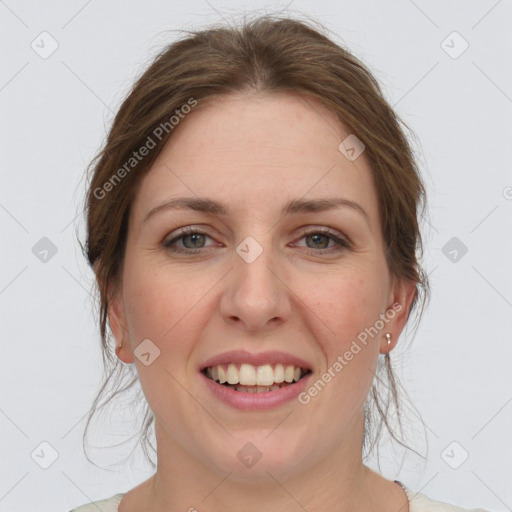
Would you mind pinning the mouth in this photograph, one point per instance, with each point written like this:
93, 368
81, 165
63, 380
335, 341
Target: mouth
247, 378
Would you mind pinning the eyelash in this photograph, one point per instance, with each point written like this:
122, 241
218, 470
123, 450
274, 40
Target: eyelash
341, 242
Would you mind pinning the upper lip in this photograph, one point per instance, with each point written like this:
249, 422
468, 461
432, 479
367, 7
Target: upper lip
255, 359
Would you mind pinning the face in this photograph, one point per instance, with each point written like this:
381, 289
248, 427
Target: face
306, 283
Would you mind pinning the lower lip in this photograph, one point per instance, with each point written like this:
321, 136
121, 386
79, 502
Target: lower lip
256, 401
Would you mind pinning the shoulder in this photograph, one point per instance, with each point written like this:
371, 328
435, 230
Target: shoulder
104, 505
419, 502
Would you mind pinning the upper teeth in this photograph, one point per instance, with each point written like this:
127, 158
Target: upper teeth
249, 375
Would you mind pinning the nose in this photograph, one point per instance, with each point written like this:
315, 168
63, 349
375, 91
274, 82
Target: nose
256, 297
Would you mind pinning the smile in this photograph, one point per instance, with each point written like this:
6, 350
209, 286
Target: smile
247, 378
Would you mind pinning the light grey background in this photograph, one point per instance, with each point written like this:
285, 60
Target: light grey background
54, 112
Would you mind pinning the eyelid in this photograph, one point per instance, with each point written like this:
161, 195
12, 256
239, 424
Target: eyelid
312, 228
187, 230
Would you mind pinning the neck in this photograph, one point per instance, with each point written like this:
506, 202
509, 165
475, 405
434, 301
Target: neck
339, 483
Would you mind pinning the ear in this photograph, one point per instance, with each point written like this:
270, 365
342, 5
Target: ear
118, 326
403, 293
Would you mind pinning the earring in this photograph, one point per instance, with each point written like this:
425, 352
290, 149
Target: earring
388, 337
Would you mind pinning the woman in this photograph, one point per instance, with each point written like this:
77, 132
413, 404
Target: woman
253, 228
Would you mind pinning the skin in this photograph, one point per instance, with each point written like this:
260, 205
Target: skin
254, 153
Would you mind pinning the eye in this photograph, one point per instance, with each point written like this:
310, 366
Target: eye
193, 240
320, 239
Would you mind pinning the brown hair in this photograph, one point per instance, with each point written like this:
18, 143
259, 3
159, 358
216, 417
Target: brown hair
264, 55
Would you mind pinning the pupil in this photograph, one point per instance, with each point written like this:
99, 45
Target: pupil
192, 235
316, 237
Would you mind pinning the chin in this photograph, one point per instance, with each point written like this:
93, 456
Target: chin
259, 458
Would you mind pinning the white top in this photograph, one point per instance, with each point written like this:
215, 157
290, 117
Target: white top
417, 503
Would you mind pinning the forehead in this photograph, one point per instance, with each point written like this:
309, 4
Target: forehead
255, 153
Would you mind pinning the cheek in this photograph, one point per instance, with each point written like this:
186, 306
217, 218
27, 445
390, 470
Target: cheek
161, 308
347, 305
164, 306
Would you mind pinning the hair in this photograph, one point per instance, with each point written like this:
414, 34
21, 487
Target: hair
268, 54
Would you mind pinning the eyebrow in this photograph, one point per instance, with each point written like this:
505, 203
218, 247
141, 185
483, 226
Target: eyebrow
295, 206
